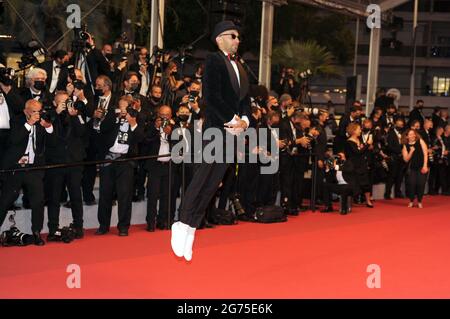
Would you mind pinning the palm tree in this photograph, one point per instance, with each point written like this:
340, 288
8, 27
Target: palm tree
306, 55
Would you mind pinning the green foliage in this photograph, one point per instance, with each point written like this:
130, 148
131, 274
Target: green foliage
306, 55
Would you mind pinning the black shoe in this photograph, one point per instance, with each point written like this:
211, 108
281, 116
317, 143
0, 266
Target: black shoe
292, 212
369, 205
161, 226
208, 225
123, 232
387, 197
53, 237
67, 204
344, 212
38, 241
101, 231
303, 209
399, 196
328, 209
90, 202
150, 228
244, 218
78, 231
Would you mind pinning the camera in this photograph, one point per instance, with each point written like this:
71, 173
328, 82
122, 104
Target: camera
14, 237
77, 105
132, 112
193, 96
71, 72
81, 36
47, 115
6, 75
33, 55
65, 234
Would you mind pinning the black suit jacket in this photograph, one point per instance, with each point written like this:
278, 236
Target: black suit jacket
18, 141
45, 98
62, 77
109, 129
67, 145
416, 114
223, 96
394, 148
153, 143
15, 102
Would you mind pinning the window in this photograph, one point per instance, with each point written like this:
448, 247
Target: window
441, 86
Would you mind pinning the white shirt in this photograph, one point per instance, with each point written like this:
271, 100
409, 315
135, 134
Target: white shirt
55, 75
120, 148
4, 113
235, 67
37, 98
31, 146
144, 81
340, 178
164, 147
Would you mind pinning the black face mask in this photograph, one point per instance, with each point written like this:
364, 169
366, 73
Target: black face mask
366, 130
134, 86
275, 107
275, 125
194, 93
98, 92
108, 56
183, 117
156, 99
39, 85
398, 128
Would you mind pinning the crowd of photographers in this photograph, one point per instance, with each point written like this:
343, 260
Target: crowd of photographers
103, 109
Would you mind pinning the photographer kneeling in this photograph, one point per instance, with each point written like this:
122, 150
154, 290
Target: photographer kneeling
339, 180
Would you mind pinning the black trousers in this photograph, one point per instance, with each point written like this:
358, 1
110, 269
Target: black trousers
415, 184
89, 175
266, 185
229, 186
248, 174
200, 191
344, 190
4, 135
395, 176
292, 175
179, 185
159, 189
116, 178
57, 179
32, 180
140, 178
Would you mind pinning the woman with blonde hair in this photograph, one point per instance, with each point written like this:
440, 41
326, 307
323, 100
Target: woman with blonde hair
415, 154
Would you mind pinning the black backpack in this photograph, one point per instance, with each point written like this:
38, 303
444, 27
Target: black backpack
270, 214
221, 217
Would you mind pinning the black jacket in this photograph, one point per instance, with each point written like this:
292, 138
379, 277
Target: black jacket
18, 141
15, 102
68, 145
394, 147
223, 96
62, 77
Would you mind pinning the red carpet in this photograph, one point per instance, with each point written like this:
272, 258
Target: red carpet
313, 255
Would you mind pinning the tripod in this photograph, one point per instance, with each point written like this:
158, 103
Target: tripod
81, 63
305, 94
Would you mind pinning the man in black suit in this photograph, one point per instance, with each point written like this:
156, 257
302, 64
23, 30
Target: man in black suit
56, 71
26, 149
67, 147
396, 164
225, 89
104, 102
417, 114
36, 88
120, 134
158, 140
353, 116
144, 70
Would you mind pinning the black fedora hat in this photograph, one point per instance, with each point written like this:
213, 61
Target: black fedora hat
221, 27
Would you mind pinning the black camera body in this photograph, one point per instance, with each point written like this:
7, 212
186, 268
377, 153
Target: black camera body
132, 112
14, 237
77, 105
48, 115
65, 234
6, 76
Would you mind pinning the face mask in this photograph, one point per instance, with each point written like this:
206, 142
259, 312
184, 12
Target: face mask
109, 56
276, 124
156, 99
399, 128
98, 92
193, 93
39, 85
183, 117
134, 86
365, 130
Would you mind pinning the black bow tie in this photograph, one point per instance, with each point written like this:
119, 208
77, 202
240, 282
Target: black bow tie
232, 57
57, 67
36, 95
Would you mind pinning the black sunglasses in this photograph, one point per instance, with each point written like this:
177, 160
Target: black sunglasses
233, 36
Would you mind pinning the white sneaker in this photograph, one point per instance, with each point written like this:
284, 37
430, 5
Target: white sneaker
189, 243
178, 240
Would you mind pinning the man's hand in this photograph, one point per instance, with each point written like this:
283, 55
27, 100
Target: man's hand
5, 88
424, 170
45, 124
72, 111
281, 144
167, 129
131, 120
303, 141
79, 94
320, 164
61, 107
70, 88
122, 65
35, 117
185, 99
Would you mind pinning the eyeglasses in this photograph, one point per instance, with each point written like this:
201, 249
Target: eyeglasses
233, 36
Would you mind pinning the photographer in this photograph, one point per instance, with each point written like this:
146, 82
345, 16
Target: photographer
131, 86
144, 70
67, 147
193, 100
287, 83
158, 138
340, 179
439, 164
120, 134
286, 108
104, 100
341, 136
388, 119
76, 88
155, 98
26, 149
320, 147
293, 160
396, 164
170, 84
56, 70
